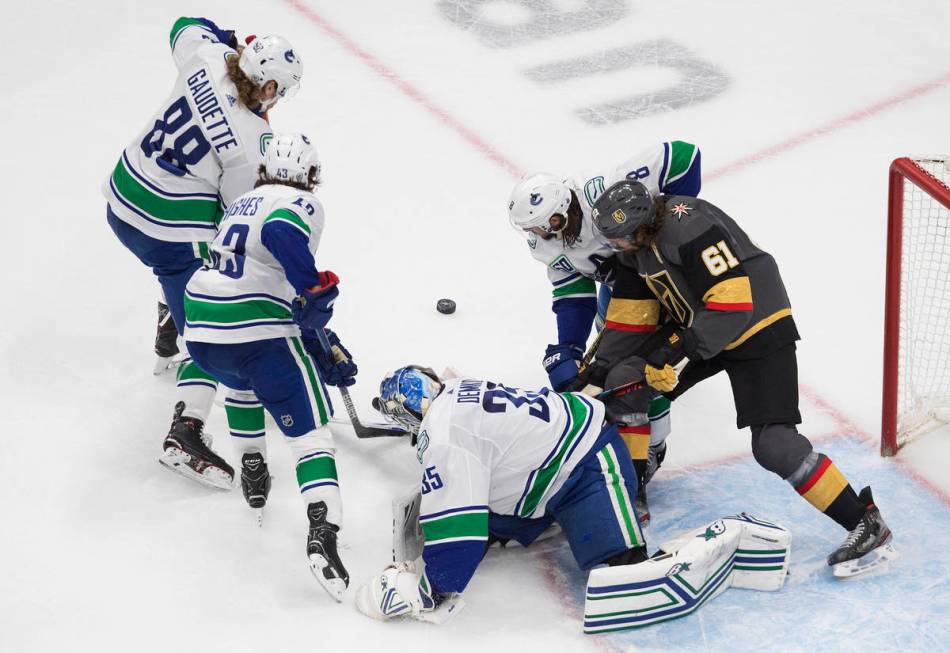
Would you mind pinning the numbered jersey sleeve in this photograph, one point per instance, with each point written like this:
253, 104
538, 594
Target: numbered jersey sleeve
453, 514
291, 233
190, 34
720, 281
670, 168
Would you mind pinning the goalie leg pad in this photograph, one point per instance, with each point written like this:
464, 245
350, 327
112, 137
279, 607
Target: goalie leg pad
739, 551
666, 587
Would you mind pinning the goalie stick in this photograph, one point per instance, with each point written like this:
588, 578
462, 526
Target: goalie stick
362, 430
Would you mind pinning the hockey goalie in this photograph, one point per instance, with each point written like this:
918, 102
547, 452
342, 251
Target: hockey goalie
511, 463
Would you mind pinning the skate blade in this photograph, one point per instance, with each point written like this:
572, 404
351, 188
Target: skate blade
180, 462
875, 560
334, 586
166, 364
258, 516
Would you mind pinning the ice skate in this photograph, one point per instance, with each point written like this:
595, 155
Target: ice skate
325, 562
867, 547
255, 482
166, 342
187, 451
641, 506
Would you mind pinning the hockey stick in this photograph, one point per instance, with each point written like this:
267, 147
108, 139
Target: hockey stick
362, 430
621, 390
591, 351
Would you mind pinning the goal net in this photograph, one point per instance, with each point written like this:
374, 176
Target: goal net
917, 304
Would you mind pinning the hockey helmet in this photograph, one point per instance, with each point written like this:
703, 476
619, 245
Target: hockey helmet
291, 157
535, 198
272, 58
406, 394
622, 209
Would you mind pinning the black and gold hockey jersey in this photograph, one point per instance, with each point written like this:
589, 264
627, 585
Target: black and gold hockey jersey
703, 273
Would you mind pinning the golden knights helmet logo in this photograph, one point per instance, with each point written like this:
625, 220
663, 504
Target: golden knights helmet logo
619, 216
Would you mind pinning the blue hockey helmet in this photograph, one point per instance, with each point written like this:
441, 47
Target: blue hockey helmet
406, 394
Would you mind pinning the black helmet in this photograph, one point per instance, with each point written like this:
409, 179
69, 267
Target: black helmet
622, 209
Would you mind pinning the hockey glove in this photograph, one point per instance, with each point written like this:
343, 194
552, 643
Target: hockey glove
591, 380
314, 307
396, 592
560, 362
664, 363
337, 367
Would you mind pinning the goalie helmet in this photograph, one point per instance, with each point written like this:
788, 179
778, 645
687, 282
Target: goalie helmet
291, 157
406, 394
622, 209
535, 198
272, 58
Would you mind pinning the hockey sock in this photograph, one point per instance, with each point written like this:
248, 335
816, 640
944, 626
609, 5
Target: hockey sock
316, 471
197, 389
637, 439
659, 414
245, 422
823, 485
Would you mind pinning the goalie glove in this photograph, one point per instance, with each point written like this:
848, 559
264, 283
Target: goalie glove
397, 592
400, 592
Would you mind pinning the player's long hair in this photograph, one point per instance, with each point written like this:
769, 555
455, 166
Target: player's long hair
246, 89
649, 231
574, 216
312, 180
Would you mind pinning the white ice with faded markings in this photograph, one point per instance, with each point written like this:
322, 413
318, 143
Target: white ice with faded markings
103, 549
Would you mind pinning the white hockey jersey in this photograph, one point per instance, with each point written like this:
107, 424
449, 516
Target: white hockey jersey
197, 154
573, 269
485, 447
247, 295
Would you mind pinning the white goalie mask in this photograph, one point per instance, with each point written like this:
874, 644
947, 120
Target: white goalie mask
290, 157
272, 58
537, 197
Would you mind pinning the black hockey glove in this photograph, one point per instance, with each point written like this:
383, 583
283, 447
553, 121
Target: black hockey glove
664, 362
594, 374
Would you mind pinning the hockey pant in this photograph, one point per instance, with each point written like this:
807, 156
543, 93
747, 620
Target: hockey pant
640, 438
173, 264
279, 375
594, 507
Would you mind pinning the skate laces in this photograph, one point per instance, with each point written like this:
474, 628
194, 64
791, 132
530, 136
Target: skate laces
857, 534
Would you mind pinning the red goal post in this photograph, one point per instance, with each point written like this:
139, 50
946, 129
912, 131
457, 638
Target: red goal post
916, 395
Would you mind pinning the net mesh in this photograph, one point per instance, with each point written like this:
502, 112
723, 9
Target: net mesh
924, 358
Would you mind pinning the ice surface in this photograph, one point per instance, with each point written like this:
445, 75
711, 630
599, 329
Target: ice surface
424, 112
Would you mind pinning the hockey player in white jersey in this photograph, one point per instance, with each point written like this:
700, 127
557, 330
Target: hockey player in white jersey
249, 318
553, 214
505, 462
510, 462
195, 156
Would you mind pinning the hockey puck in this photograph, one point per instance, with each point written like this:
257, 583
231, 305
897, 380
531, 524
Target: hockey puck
445, 306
